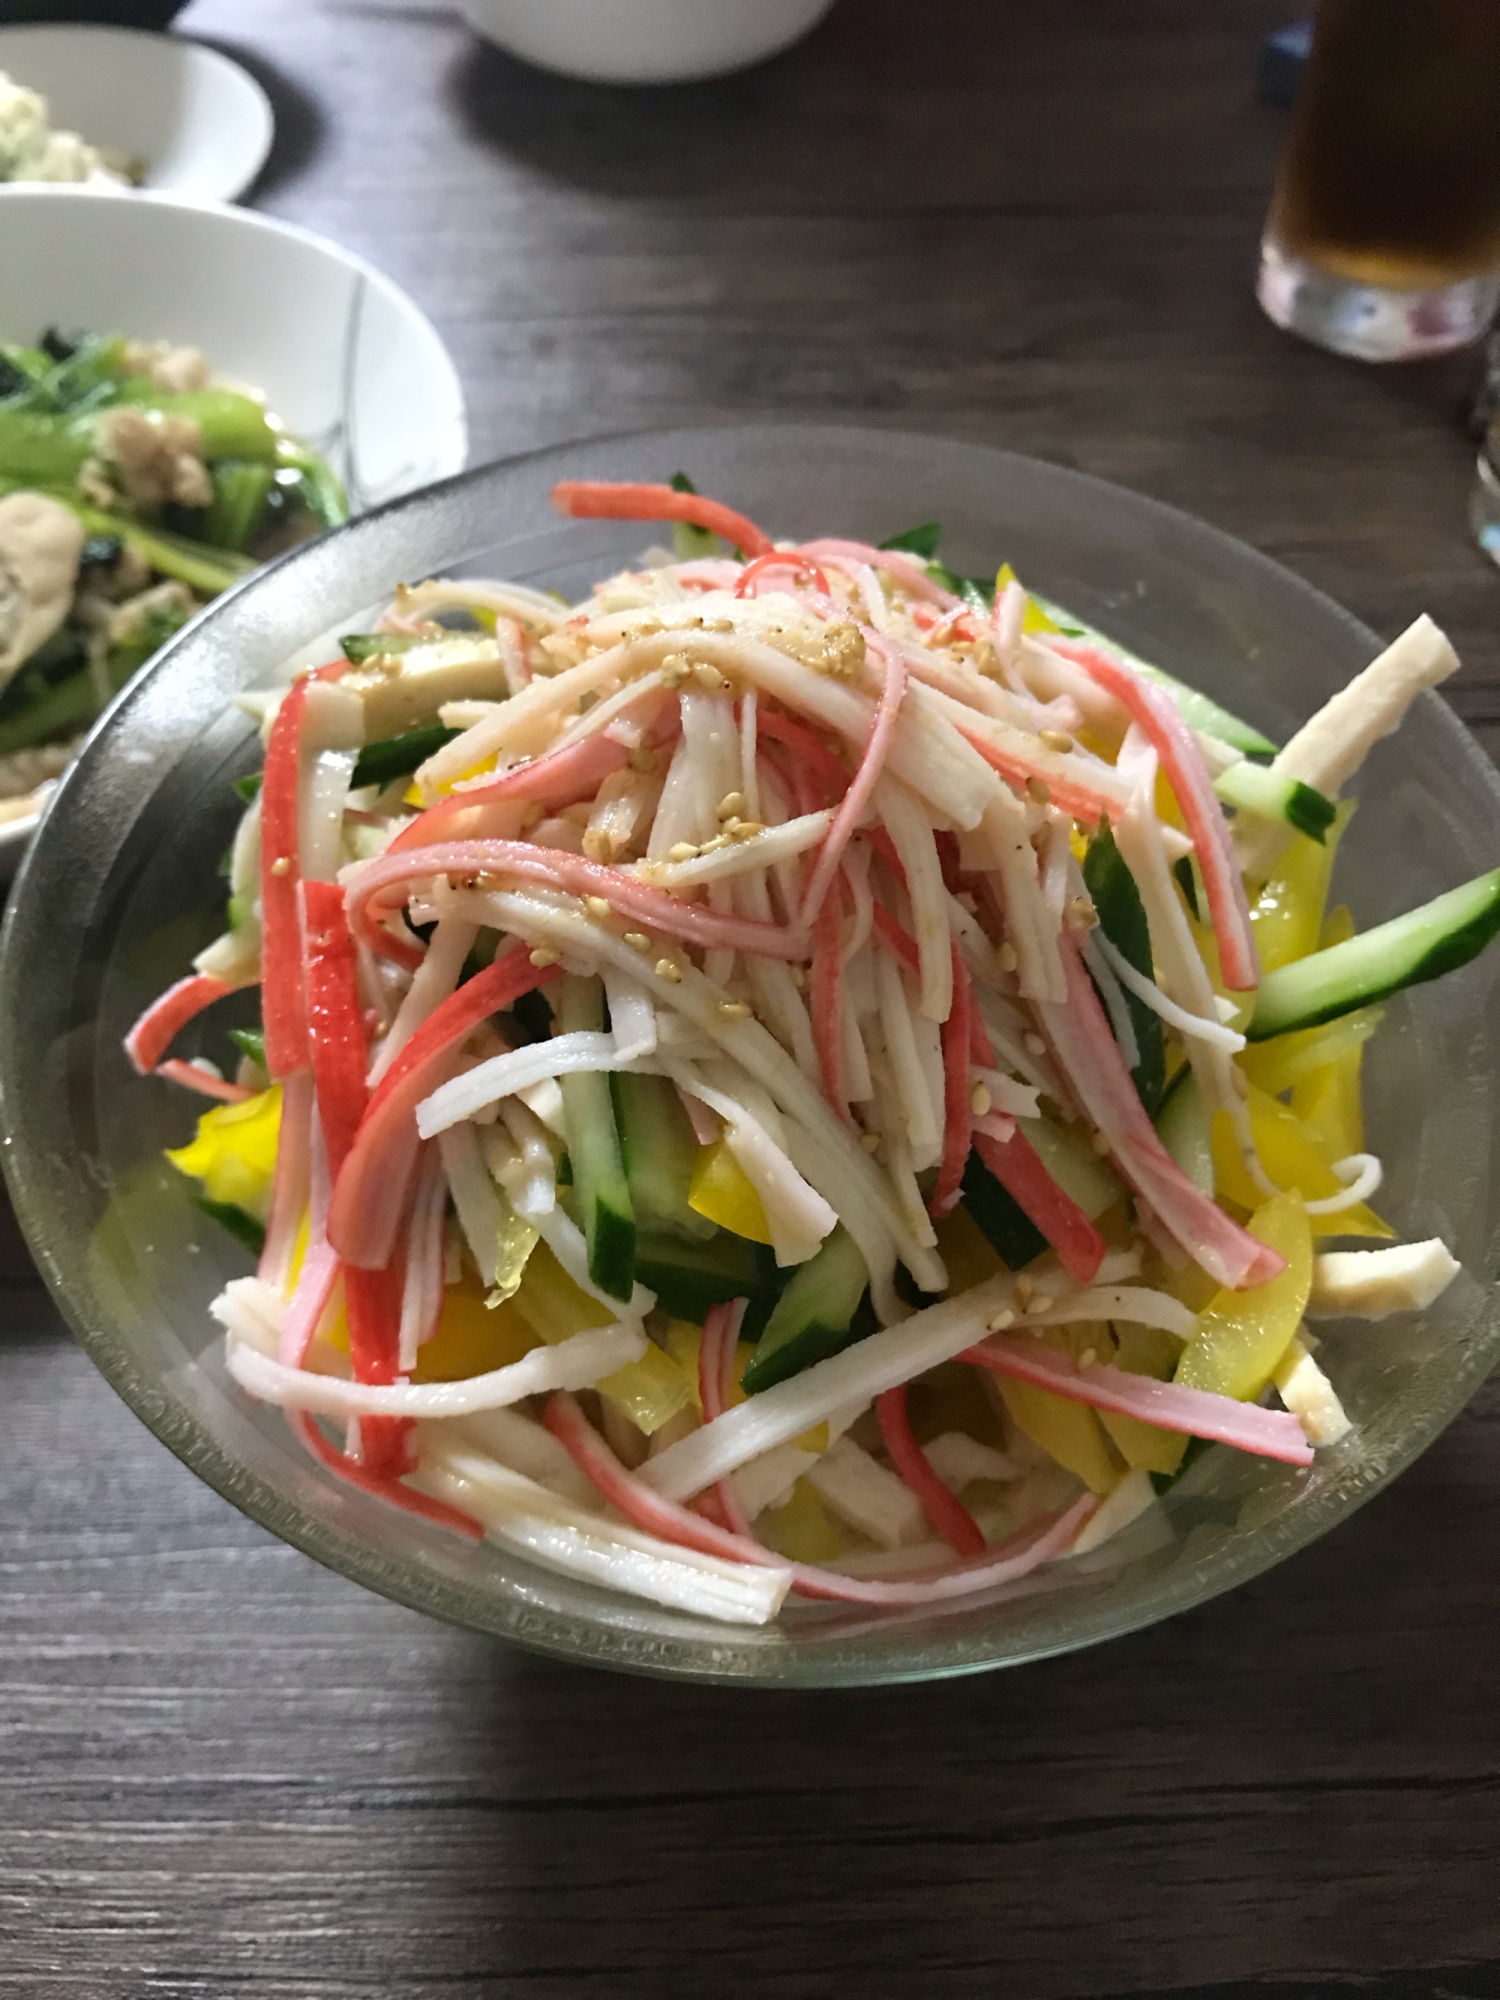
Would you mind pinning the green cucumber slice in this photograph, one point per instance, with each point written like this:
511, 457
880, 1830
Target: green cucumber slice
690, 1278
1251, 788
1185, 1127
1198, 711
1122, 918
394, 756
658, 1148
817, 1314
602, 1193
1438, 937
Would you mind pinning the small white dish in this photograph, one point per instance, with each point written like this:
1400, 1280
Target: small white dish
201, 124
644, 41
343, 356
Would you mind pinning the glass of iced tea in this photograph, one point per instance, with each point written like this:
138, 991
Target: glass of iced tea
1383, 239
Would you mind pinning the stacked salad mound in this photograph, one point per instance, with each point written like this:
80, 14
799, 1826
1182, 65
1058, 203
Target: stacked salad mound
804, 1074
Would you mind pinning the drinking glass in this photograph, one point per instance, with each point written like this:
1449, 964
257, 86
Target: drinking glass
1383, 239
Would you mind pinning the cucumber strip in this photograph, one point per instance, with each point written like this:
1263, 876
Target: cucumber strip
1010, 1231
1438, 937
603, 1195
358, 647
1251, 788
659, 1150
1074, 1165
1122, 917
1198, 711
395, 756
1185, 1127
815, 1316
690, 1278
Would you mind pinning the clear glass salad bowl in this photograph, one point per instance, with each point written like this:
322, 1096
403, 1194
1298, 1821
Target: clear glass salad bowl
122, 886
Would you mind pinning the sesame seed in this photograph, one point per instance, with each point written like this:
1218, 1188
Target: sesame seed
682, 850
1033, 1044
1040, 1303
712, 846
670, 970
637, 940
1040, 790
282, 865
1023, 1290
999, 1321
735, 1010
543, 956
1081, 913
597, 907
746, 829
1055, 739
1007, 956
708, 678
870, 1142
980, 1100
1100, 1145
732, 805
1088, 1358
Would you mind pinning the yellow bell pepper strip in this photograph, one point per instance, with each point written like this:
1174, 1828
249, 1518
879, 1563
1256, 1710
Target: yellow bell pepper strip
650, 1391
1293, 1160
1242, 1336
1287, 915
234, 1152
722, 1191
1068, 1430
1144, 1350
1285, 1060
471, 1337
803, 1530
1332, 1110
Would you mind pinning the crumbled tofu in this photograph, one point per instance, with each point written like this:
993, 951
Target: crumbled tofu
402, 690
40, 543
1371, 1284
31, 151
1311, 1397
178, 370
152, 457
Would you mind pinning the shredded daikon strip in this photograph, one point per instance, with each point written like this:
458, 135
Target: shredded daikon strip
474, 1195
576, 1363
911, 831
432, 982
1186, 1023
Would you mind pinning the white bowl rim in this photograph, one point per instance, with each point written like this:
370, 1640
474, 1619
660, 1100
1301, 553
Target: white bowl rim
253, 91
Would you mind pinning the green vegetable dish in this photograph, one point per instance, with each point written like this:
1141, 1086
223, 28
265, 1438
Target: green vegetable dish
135, 485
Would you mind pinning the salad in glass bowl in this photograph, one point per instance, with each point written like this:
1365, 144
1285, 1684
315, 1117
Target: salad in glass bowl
802, 1077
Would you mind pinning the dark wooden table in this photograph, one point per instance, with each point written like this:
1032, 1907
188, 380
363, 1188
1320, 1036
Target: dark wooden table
226, 1773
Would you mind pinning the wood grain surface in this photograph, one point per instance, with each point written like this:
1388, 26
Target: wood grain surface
226, 1773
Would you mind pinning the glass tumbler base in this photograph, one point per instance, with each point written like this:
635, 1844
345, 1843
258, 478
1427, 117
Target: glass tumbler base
1371, 322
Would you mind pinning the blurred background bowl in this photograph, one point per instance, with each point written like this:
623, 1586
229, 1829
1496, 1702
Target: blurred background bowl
201, 125
122, 887
644, 41
343, 356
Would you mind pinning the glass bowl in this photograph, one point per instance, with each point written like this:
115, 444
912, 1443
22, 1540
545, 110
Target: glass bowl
122, 886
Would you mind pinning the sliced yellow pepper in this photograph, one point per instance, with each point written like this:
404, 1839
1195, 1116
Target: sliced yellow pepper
1287, 915
1144, 1350
967, 1252
234, 1151
1035, 619
650, 1391
803, 1530
1293, 1159
721, 1190
473, 1338
1331, 1108
1242, 1335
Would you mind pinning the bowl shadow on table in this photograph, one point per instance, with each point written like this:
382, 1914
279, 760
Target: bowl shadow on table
1044, 1821
804, 131
300, 126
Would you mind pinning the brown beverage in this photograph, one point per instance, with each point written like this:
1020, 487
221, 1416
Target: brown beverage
1391, 176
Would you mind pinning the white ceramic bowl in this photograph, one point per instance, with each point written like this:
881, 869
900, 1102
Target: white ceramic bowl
644, 41
202, 125
344, 357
